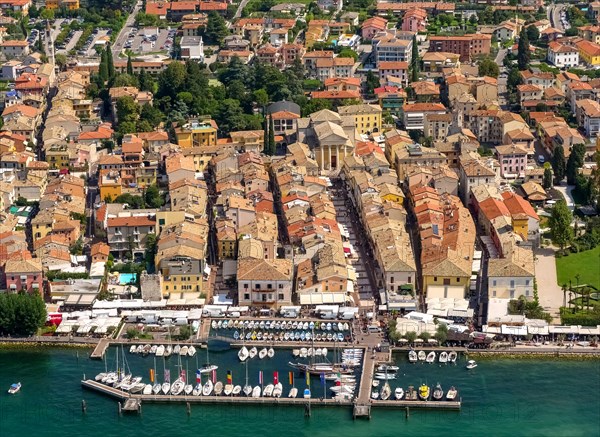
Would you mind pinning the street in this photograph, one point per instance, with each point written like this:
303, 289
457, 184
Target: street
122, 37
553, 13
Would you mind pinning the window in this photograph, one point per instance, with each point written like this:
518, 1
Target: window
512, 283
494, 283
457, 279
246, 296
512, 294
410, 279
392, 280
435, 278
257, 286
280, 286
269, 286
446, 281
281, 296
246, 286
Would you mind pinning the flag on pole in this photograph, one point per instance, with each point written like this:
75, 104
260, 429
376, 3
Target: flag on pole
152, 375
291, 378
260, 377
214, 376
229, 377
322, 378
198, 376
275, 377
307, 378
182, 375
167, 375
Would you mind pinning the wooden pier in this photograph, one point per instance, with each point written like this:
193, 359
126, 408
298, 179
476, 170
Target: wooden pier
100, 349
361, 409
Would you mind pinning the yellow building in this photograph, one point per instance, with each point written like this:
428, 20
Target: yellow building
182, 268
202, 155
58, 157
110, 185
71, 5
391, 193
589, 52
146, 176
367, 118
168, 218
520, 224
197, 133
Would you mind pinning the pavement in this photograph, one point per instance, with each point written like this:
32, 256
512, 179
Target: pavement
500, 57
567, 192
123, 34
238, 12
550, 294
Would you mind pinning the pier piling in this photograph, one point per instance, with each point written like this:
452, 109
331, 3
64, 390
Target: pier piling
120, 409
407, 412
307, 411
83, 406
188, 408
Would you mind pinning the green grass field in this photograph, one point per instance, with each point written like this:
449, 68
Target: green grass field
587, 264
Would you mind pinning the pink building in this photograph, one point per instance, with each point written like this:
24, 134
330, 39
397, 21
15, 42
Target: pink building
373, 25
513, 161
415, 20
23, 274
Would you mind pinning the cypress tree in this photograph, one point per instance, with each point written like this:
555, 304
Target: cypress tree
129, 66
266, 136
271, 136
109, 62
103, 69
415, 60
558, 163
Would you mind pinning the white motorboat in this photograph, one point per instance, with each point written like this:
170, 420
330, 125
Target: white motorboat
293, 392
268, 390
218, 388
147, 389
228, 389
452, 357
166, 388
296, 352
375, 395
343, 388
153, 349
306, 394
247, 390
177, 387
197, 390
160, 351
399, 393
156, 389
451, 395
412, 356
188, 389
14, 388
430, 357
168, 351
100, 376
422, 355
383, 376
438, 393
262, 353
183, 351
256, 392
243, 353
236, 390
343, 396
219, 324
139, 349
176, 349
207, 368
207, 389
271, 352
443, 357
385, 392
252, 352
138, 388
213, 324
471, 364
277, 390
387, 368
303, 352
318, 352
375, 383
324, 351
133, 349
191, 351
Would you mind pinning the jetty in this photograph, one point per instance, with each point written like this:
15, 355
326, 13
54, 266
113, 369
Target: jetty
100, 349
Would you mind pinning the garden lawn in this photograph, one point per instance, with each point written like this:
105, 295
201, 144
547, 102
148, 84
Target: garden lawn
587, 264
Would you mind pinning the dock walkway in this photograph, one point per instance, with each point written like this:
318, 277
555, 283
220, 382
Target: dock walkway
100, 349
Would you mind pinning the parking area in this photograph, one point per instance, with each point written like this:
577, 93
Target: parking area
69, 42
149, 40
98, 37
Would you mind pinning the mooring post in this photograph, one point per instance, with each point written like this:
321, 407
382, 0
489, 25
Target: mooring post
120, 409
407, 412
83, 406
188, 408
307, 410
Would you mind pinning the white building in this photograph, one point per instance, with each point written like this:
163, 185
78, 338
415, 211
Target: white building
192, 47
563, 55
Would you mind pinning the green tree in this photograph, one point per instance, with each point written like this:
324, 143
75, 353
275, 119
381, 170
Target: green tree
523, 54
533, 34
558, 163
60, 59
261, 98
414, 62
547, 183
411, 336
152, 197
575, 162
347, 52
441, 334
129, 65
150, 252
487, 67
371, 83
127, 109
172, 80
560, 224
425, 336
216, 29
109, 61
271, 136
21, 314
103, 68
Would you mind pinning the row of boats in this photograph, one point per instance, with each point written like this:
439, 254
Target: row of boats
349, 359
424, 393
277, 325
162, 350
445, 357
244, 353
134, 385
291, 336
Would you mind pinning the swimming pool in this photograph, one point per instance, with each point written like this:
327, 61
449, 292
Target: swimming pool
127, 278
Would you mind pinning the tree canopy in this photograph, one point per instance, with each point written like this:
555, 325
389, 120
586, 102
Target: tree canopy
558, 163
560, 224
21, 314
487, 67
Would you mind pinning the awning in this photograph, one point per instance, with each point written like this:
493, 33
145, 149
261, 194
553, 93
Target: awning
564, 329
323, 298
514, 330
589, 330
492, 329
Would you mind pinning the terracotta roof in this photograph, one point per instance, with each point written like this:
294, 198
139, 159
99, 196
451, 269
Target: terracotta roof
393, 65
517, 205
421, 107
131, 221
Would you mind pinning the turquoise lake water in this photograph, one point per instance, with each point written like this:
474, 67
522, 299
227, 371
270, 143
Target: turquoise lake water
500, 398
